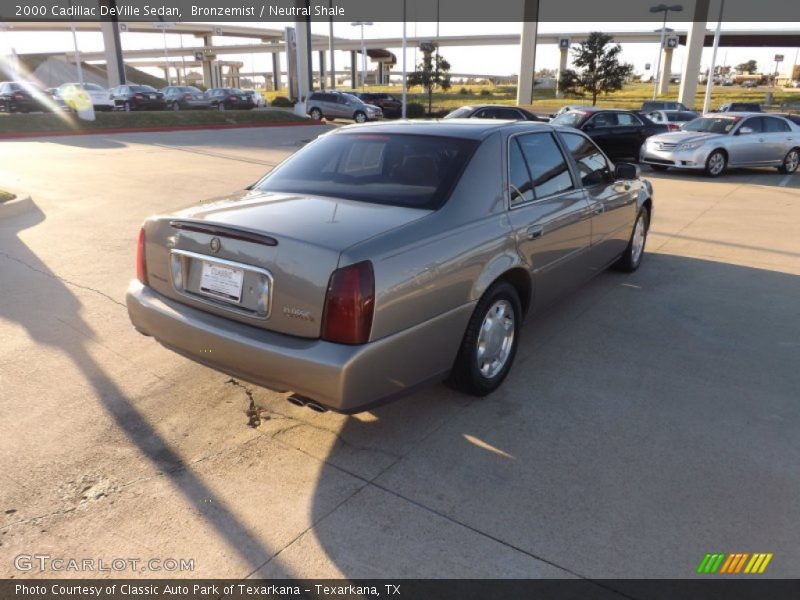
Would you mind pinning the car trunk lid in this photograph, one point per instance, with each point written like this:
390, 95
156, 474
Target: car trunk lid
263, 259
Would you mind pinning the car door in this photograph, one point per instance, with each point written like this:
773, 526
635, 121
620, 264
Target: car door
779, 139
748, 148
600, 127
548, 213
612, 203
629, 134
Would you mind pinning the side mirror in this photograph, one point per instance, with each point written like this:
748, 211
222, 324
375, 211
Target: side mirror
626, 171
745, 131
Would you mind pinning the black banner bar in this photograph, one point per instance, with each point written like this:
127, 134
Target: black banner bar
266, 11
734, 588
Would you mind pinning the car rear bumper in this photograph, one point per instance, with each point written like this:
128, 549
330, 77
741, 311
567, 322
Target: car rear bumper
343, 378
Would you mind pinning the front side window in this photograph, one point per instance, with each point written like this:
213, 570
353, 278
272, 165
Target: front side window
754, 123
592, 164
546, 164
415, 171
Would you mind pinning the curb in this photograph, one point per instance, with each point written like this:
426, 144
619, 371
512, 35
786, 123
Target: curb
65, 133
21, 204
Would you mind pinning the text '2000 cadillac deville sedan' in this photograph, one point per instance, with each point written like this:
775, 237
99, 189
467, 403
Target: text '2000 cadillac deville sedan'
382, 257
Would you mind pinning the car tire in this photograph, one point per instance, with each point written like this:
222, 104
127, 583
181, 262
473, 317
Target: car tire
790, 162
176, 106
360, 117
716, 163
634, 251
494, 327
127, 107
315, 114
659, 167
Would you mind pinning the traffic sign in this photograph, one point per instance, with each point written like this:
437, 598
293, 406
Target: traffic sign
779, 58
563, 43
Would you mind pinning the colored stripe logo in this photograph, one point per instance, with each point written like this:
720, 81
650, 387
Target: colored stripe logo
738, 562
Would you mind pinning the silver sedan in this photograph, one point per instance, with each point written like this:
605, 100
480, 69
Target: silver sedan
385, 256
713, 143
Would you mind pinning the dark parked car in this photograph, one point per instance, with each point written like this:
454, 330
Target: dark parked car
381, 257
619, 133
493, 111
229, 99
739, 107
21, 96
651, 105
184, 97
391, 106
137, 97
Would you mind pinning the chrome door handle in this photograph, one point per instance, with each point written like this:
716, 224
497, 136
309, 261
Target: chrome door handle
534, 231
599, 209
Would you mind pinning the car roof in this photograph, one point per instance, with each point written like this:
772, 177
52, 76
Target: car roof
476, 129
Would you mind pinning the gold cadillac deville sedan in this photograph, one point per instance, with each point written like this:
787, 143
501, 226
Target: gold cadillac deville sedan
383, 257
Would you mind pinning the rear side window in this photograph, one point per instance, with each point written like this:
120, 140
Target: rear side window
592, 164
415, 171
627, 119
773, 125
603, 120
519, 176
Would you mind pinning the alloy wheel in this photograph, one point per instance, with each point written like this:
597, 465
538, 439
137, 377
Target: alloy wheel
496, 339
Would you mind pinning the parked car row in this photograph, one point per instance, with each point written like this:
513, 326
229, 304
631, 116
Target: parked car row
665, 134
27, 97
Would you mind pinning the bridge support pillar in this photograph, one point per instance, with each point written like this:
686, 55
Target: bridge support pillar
666, 71
562, 66
527, 61
694, 52
115, 67
276, 71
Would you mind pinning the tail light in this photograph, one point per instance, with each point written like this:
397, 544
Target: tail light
232, 98
187, 96
138, 96
141, 262
349, 304
19, 95
673, 127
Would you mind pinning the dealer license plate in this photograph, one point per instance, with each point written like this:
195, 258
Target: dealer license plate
221, 281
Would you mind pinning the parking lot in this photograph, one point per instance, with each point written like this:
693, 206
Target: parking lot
649, 418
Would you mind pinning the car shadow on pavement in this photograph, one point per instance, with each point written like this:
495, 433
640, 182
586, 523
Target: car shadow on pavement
37, 313
652, 414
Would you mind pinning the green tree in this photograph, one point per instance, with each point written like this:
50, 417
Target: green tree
750, 67
433, 72
599, 70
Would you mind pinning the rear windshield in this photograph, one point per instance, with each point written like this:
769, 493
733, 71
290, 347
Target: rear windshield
142, 88
459, 112
571, 118
711, 124
681, 116
415, 171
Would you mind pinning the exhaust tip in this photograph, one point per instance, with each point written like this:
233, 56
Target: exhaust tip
297, 400
316, 407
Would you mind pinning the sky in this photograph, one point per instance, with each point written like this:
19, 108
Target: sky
495, 60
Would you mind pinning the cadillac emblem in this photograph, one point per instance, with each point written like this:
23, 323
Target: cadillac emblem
215, 245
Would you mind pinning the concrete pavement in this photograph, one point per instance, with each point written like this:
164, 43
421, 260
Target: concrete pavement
649, 418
